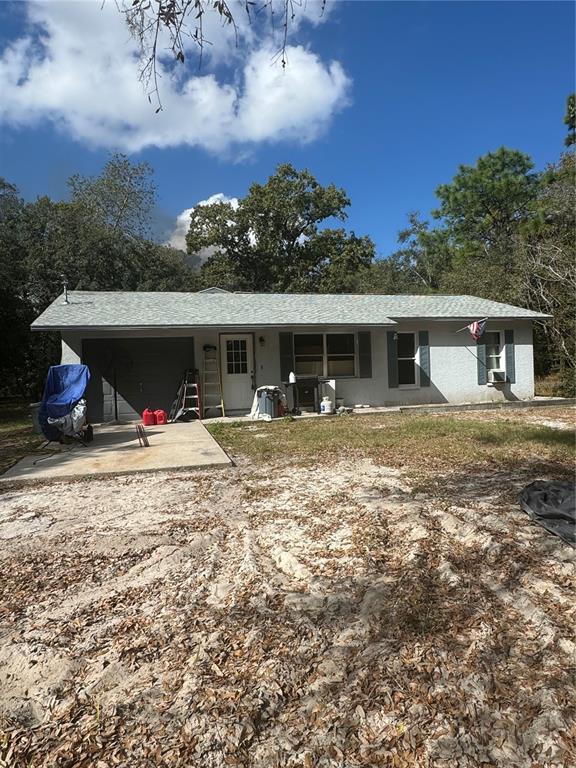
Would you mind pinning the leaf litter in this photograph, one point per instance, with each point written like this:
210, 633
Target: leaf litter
342, 615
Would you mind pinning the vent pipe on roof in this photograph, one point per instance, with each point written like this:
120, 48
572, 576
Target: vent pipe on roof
65, 289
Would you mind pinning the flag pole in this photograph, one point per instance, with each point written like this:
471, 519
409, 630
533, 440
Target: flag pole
483, 320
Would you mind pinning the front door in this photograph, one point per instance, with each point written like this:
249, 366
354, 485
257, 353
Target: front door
237, 367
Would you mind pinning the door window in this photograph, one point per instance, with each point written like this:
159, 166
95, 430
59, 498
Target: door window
236, 356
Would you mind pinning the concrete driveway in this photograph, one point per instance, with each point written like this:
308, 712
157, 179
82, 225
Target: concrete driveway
116, 450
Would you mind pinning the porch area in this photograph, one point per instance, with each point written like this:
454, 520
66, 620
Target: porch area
131, 371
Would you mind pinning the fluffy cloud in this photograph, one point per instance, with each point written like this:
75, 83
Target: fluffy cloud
78, 68
178, 237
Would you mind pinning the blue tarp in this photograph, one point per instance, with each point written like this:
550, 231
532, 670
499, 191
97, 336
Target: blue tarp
65, 385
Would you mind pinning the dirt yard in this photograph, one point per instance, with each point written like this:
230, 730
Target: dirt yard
350, 611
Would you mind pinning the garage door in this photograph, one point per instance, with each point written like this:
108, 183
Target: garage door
133, 374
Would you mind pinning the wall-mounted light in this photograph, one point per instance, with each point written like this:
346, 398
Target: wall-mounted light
261, 341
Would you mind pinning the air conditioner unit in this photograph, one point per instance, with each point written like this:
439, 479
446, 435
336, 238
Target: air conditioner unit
497, 376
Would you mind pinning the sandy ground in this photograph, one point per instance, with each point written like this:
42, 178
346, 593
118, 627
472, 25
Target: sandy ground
329, 616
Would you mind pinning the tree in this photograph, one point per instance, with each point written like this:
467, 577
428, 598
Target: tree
484, 203
16, 312
272, 241
65, 239
218, 270
570, 120
424, 258
546, 251
341, 262
177, 22
93, 241
121, 198
481, 211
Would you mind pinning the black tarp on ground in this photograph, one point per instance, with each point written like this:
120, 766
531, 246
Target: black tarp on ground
552, 504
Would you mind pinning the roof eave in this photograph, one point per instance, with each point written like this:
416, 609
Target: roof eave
211, 326
469, 318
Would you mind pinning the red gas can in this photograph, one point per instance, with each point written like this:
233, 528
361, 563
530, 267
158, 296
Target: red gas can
161, 417
148, 418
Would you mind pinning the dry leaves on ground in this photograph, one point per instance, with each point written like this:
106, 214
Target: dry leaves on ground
319, 616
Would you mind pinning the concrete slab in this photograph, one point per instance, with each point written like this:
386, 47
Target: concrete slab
116, 450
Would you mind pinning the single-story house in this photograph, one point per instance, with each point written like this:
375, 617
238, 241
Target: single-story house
376, 350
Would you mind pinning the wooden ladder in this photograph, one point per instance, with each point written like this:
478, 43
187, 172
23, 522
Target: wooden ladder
211, 381
187, 400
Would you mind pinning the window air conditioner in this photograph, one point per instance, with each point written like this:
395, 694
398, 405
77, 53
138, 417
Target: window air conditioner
497, 376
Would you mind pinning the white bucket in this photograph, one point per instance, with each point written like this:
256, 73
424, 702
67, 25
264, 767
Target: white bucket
326, 406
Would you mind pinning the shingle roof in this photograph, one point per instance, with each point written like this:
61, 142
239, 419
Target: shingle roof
139, 309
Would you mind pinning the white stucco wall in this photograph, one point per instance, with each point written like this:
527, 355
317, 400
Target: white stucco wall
453, 365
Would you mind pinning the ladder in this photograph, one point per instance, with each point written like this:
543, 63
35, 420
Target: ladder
211, 381
187, 400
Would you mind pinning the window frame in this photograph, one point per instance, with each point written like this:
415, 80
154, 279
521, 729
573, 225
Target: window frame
501, 356
326, 356
416, 360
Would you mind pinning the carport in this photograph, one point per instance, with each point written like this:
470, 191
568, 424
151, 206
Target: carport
130, 374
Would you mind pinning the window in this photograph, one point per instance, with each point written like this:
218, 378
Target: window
325, 354
406, 359
340, 354
309, 354
493, 350
236, 356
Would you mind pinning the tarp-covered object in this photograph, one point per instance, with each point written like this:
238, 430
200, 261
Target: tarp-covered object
72, 423
552, 504
65, 385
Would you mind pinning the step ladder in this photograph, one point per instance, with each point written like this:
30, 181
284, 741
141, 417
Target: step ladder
187, 400
211, 381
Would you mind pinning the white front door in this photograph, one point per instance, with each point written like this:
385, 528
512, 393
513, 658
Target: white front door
237, 367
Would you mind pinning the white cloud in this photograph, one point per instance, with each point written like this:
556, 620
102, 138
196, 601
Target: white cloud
178, 237
78, 68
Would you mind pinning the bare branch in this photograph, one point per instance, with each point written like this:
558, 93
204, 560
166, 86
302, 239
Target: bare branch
180, 21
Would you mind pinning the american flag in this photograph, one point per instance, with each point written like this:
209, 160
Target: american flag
476, 329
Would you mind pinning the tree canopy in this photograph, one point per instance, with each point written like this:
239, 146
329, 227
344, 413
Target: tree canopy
95, 241
121, 198
503, 232
272, 240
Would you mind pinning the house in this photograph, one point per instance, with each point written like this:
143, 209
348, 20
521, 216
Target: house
376, 350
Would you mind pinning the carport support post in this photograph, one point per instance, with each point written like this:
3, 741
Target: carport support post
115, 397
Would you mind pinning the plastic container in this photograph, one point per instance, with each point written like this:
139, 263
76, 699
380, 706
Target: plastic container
161, 416
326, 406
268, 402
148, 418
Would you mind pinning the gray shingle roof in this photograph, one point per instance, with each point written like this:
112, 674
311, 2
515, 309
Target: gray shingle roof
105, 309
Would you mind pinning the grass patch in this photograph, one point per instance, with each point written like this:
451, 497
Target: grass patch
17, 438
399, 440
548, 386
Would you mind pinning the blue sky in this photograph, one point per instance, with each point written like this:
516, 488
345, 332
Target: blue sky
390, 97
